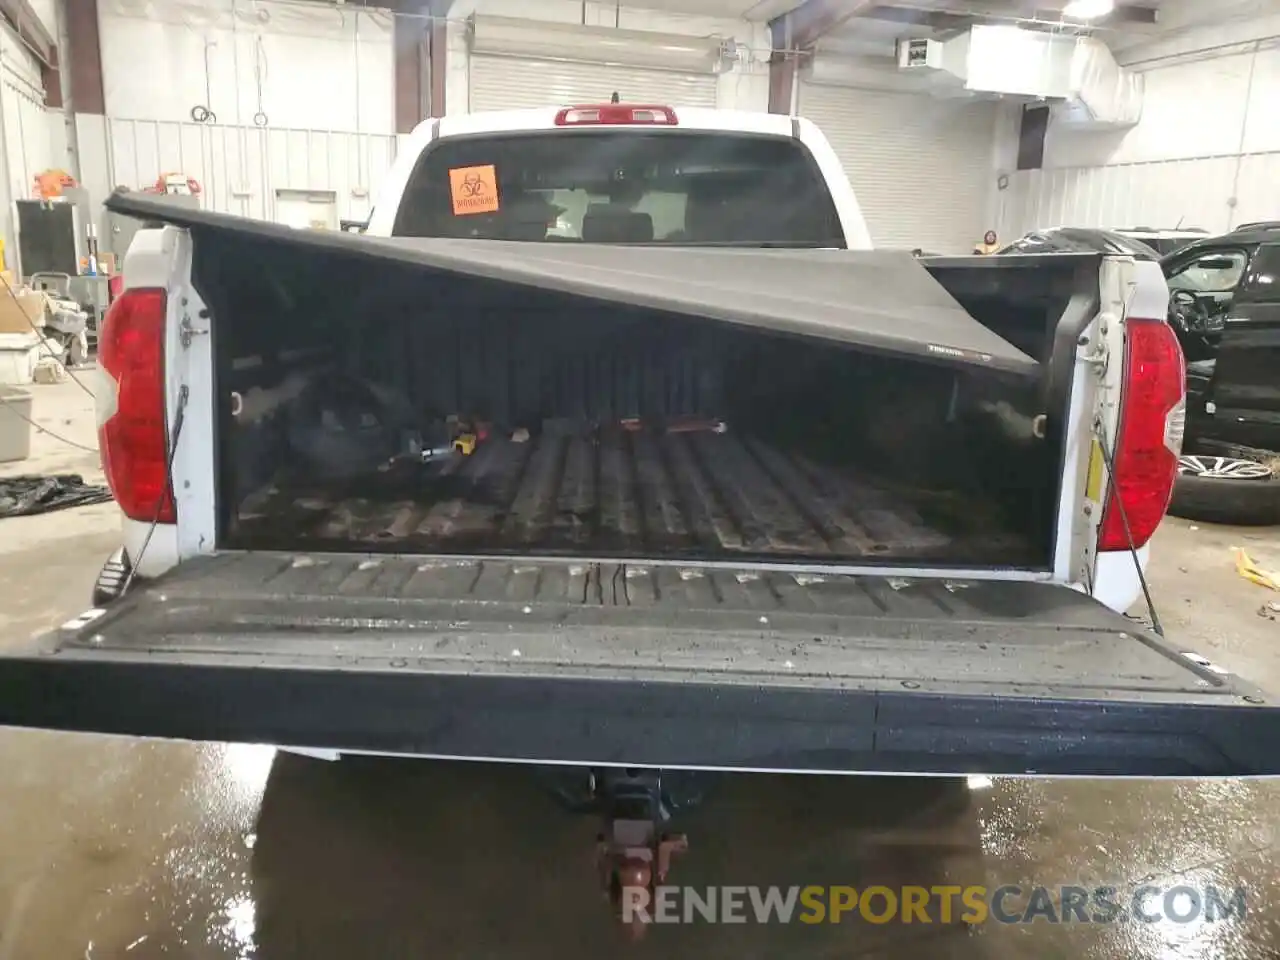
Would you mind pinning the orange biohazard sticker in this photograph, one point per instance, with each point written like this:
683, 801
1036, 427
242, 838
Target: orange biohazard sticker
474, 190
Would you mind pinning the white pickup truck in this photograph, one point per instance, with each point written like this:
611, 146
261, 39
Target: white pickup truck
612, 443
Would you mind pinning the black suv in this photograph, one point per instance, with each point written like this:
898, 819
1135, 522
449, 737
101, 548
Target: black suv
1224, 303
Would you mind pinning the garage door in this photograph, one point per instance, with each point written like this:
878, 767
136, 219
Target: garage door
505, 83
921, 166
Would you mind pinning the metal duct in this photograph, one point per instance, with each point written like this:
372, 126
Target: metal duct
1104, 95
1078, 75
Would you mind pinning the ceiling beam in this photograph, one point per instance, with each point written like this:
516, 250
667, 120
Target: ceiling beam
1124, 15
1135, 14
940, 14
793, 36
808, 23
936, 19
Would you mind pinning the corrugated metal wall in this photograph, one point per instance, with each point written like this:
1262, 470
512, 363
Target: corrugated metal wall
305, 65
508, 83
27, 133
921, 165
1206, 154
241, 168
34, 137
1163, 194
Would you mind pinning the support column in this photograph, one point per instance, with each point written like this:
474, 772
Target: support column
421, 60
84, 51
411, 38
782, 68
439, 51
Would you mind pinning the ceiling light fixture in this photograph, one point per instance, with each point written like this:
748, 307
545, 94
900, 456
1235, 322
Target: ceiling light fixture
1088, 9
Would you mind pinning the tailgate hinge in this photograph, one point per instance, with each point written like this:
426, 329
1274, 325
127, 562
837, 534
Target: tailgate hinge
1093, 348
189, 330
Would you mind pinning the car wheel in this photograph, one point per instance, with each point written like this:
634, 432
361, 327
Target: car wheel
1226, 490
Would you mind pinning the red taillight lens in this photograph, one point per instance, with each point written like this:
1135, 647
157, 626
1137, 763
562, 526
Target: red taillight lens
134, 436
615, 113
1152, 418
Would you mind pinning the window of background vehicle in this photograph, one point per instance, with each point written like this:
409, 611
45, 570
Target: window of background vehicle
606, 186
1263, 278
1216, 272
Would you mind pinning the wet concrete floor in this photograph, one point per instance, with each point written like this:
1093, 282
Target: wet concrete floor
111, 847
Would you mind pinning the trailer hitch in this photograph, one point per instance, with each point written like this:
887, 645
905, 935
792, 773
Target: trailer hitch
633, 852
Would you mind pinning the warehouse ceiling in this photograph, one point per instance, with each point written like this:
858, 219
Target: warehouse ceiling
960, 14
855, 24
937, 12
872, 26
884, 21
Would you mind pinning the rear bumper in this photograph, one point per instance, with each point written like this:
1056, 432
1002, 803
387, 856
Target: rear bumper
693, 669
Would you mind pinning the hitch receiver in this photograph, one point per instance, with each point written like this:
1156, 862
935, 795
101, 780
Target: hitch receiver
633, 852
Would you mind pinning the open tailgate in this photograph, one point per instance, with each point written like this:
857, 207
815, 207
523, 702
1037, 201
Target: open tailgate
574, 662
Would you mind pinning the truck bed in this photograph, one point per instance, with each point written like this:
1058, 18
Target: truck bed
916, 389
640, 665
683, 494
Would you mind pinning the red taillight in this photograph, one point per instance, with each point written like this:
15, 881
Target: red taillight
615, 113
1152, 418
134, 436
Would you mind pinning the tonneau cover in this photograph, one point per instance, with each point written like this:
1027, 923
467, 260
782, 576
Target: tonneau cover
881, 300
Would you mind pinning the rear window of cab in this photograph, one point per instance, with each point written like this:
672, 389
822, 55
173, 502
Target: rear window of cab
621, 186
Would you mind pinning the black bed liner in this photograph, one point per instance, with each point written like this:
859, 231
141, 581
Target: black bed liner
676, 666
619, 493
884, 301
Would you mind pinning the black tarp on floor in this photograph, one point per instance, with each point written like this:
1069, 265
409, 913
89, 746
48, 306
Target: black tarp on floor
26, 495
